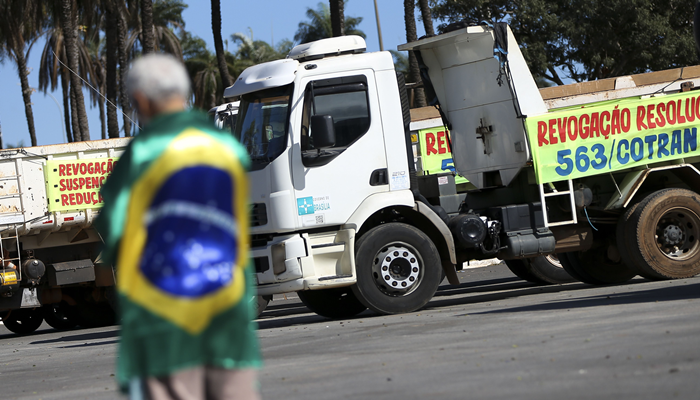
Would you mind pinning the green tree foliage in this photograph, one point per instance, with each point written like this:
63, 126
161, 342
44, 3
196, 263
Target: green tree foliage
319, 25
21, 22
588, 39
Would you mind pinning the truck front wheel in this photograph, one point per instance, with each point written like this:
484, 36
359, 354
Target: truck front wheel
398, 269
663, 235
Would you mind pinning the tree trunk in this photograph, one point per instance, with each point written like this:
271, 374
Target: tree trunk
103, 126
147, 36
412, 36
70, 37
65, 84
219, 44
337, 17
124, 100
74, 115
427, 17
26, 93
112, 53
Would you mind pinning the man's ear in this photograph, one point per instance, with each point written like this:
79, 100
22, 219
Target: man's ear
143, 106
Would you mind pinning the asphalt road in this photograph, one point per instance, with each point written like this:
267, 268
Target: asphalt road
492, 337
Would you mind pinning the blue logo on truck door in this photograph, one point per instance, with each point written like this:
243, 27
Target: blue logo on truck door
305, 205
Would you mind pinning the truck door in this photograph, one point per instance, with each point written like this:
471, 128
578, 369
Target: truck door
336, 180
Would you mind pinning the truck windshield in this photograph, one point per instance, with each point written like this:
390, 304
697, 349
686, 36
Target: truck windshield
262, 124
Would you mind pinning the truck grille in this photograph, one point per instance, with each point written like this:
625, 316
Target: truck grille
258, 215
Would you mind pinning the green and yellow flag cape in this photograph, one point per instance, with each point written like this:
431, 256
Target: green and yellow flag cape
175, 225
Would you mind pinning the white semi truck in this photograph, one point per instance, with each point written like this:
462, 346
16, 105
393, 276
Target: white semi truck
341, 217
49, 252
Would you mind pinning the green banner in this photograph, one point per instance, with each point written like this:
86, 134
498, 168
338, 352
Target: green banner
436, 155
75, 184
614, 135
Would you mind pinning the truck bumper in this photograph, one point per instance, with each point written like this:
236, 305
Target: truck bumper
294, 262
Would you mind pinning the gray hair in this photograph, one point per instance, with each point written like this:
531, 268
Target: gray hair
158, 77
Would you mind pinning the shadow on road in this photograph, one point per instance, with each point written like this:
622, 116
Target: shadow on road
83, 337
506, 288
670, 293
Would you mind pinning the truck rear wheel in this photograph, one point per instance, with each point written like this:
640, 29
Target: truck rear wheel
596, 267
23, 321
663, 235
56, 315
542, 269
398, 269
332, 303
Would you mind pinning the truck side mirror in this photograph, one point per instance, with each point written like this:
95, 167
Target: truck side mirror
322, 131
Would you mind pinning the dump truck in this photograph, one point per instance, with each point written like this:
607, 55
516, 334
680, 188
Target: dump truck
606, 178
49, 267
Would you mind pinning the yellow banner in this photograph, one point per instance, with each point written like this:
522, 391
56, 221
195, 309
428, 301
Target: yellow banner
614, 135
436, 155
75, 184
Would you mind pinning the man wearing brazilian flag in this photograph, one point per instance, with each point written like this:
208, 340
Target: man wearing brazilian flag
175, 225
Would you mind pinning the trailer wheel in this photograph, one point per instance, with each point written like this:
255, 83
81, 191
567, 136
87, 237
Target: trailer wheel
23, 321
542, 269
596, 268
91, 315
332, 303
398, 269
56, 315
663, 235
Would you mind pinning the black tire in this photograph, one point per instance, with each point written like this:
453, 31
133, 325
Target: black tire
398, 269
663, 235
519, 267
56, 315
595, 268
261, 303
332, 303
545, 270
23, 321
623, 236
92, 315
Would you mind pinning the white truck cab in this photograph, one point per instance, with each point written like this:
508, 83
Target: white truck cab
312, 191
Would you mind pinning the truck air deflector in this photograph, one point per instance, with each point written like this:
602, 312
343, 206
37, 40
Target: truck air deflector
263, 76
485, 116
350, 44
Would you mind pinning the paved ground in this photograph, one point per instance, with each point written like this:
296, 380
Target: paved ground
492, 337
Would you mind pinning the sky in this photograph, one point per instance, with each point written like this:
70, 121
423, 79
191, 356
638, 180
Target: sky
268, 19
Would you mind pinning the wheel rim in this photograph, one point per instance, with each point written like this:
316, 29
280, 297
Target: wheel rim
397, 269
554, 260
677, 234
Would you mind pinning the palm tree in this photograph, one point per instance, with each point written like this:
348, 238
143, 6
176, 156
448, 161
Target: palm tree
218, 43
121, 14
427, 17
97, 77
319, 25
202, 66
50, 70
147, 37
337, 17
111, 59
412, 36
251, 52
68, 23
166, 16
21, 22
